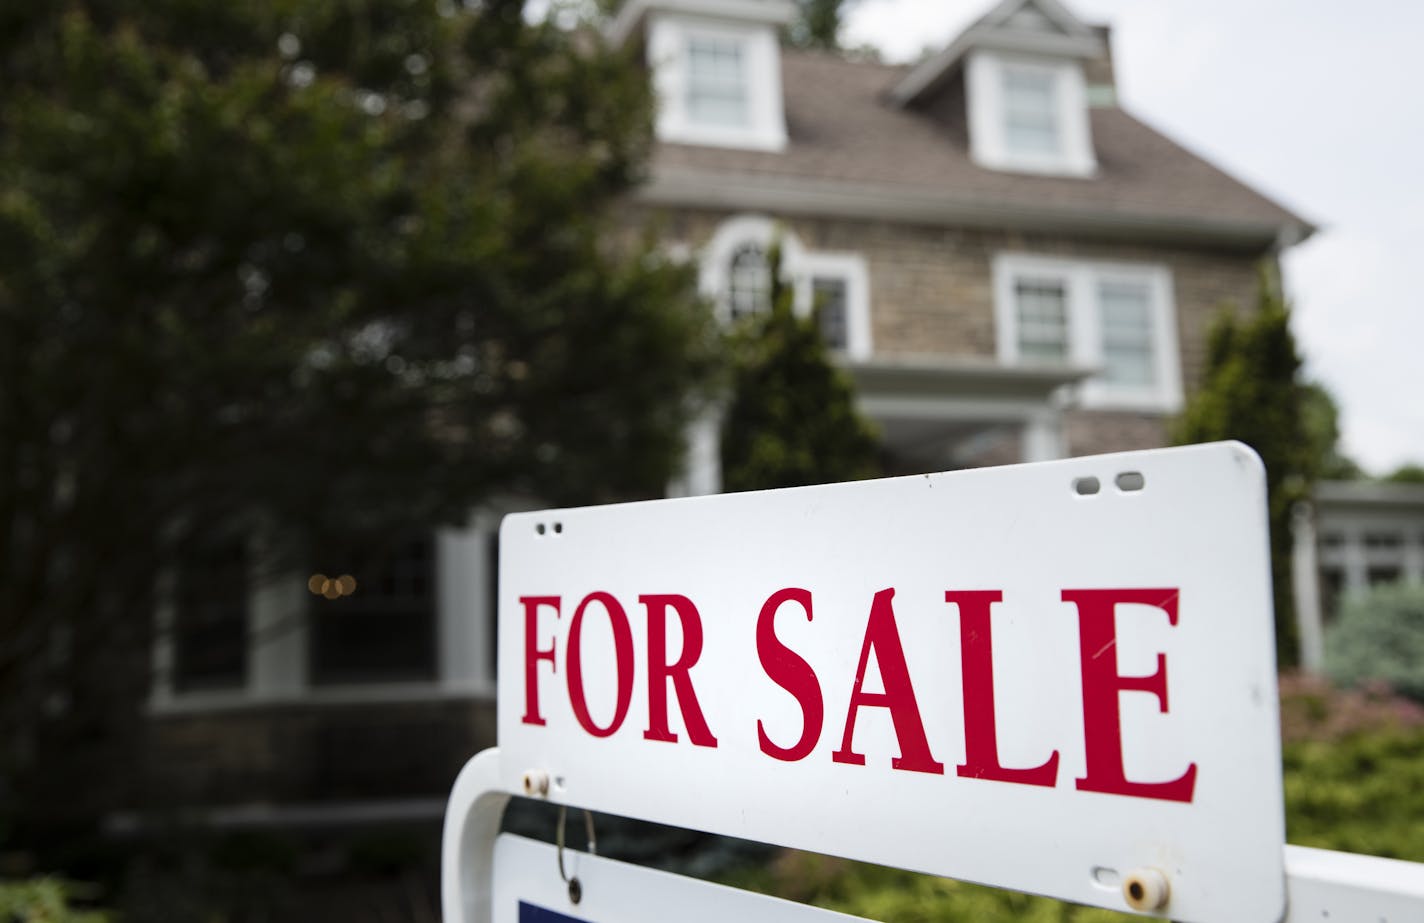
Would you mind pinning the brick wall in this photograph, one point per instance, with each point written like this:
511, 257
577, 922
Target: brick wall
313, 753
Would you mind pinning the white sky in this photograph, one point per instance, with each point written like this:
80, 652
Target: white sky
1318, 104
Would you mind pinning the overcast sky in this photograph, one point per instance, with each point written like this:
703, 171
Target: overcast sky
1318, 104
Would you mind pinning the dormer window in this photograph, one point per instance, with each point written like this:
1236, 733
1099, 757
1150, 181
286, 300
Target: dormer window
1031, 127
1028, 115
716, 82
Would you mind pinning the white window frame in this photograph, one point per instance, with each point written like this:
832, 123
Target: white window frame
851, 269
669, 38
985, 74
277, 665
1081, 281
799, 266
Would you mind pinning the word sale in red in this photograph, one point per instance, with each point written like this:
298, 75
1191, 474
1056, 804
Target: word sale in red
1102, 685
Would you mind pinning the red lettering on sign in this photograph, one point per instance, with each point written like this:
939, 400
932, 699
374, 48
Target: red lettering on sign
976, 654
882, 634
533, 653
660, 671
623, 663
788, 670
1102, 684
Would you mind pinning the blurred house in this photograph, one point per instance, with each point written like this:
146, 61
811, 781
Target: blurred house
1353, 535
1010, 265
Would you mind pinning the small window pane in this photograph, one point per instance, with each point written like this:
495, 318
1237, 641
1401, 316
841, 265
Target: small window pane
716, 82
1126, 315
749, 288
373, 614
1042, 307
830, 299
1378, 576
1030, 112
1332, 586
210, 618
1384, 540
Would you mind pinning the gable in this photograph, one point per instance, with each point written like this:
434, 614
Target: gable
1029, 27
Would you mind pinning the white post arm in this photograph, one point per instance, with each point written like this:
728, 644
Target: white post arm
1326, 885
472, 822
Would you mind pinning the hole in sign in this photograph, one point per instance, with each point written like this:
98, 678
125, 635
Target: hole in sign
1105, 877
539, 528
1130, 481
1086, 487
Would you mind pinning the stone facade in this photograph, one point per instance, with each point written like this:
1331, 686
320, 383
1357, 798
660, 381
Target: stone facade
932, 294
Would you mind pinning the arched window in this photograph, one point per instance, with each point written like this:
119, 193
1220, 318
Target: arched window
748, 282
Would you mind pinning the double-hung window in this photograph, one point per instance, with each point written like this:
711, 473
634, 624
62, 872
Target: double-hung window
1031, 112
717, 86
717, 83
373, 612
1115, 318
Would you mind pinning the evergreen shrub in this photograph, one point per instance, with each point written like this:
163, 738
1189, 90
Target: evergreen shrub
1379, 638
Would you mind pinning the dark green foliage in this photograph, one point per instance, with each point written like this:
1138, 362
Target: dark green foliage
1406, 474
44, 900
313, 268
1379, 637
1322, 427
1361, 794
792, 419
818, 23
1252, 390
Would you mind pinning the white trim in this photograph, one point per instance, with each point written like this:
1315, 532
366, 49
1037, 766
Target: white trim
680, 187
278, 635
668, 38
278, 638
1305, 588
851, 268
1081, 280
993, 30
463, 612
320, 696
702, 463
799, 267
989, 146
714, 269
631, 15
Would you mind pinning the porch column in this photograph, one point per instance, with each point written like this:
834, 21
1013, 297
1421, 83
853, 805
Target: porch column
1305, 588
1043, 436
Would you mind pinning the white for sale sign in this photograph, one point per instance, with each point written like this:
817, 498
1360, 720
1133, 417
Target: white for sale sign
1058, 678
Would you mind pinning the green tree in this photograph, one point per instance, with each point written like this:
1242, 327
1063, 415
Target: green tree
1321, 418
818, 23
1252, 390
317, 268
1406, 474
792, 418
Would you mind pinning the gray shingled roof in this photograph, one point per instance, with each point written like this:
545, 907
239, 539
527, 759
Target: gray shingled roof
843, 130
